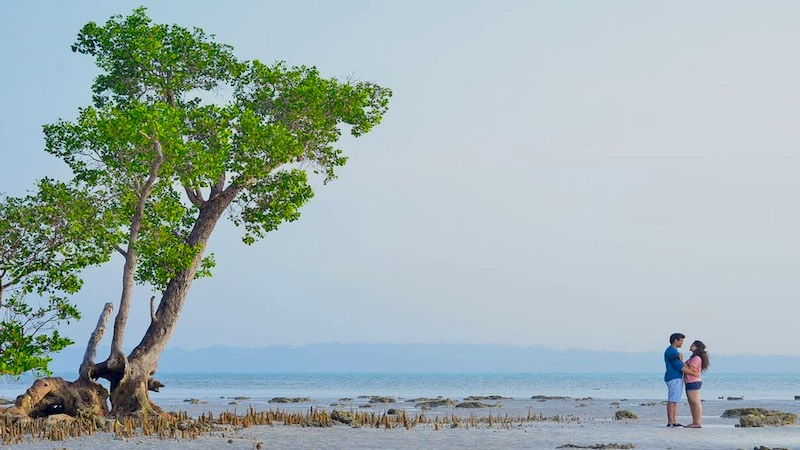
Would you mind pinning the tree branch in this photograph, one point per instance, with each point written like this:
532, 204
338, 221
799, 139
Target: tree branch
218, 188
191, 193
91, 348
121, 251
153, 308
130, 258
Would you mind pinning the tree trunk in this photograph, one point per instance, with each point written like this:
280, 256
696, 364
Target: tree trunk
129, 394
130, 378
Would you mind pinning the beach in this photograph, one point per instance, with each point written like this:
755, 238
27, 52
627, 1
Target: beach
539, 436
521, 411
565, 423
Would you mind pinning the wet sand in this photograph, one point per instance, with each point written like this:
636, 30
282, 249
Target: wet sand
587, 422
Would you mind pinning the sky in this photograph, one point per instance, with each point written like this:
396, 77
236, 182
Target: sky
587, 174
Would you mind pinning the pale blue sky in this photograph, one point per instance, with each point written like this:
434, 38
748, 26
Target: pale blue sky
570, 174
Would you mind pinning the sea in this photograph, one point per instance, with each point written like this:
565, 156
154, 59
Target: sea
334, 386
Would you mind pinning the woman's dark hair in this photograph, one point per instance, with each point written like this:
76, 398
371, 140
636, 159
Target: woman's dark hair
700, 350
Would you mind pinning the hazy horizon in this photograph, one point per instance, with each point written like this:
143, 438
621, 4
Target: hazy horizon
431, 358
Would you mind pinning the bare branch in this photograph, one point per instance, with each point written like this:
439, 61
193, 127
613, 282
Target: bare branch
219, 187
153, 308
193, 197
121, 251
94, 341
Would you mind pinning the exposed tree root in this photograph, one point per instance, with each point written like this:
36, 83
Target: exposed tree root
86, 397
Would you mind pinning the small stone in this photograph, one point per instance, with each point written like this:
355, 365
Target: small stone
625, 414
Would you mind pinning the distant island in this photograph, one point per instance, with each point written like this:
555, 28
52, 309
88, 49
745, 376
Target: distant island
391, 357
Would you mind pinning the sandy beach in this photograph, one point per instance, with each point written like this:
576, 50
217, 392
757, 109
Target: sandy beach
539, 436
588, 424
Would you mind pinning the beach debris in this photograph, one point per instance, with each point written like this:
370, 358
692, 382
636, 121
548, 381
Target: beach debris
759, 417
599, 446
625, 414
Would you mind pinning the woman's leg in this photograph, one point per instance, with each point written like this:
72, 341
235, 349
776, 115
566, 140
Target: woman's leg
695, 406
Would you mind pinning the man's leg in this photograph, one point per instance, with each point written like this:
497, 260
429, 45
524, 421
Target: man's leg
672, 411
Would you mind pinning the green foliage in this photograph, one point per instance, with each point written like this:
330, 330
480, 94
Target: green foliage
28, 334
253, 145
46, 239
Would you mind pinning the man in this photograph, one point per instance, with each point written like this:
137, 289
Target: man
673, 360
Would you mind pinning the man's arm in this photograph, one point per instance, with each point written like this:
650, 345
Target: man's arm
676, 362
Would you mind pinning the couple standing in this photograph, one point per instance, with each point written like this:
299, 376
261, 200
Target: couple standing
680, 373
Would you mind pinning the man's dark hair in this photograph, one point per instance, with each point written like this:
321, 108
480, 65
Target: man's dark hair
675, 336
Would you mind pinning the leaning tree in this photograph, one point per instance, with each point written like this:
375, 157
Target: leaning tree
167, 160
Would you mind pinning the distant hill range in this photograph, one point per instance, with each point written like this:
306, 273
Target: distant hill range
426, 358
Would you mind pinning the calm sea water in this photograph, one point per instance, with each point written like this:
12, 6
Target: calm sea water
761, 386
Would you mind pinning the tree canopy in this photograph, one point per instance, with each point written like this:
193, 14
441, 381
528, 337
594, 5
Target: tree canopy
151, 121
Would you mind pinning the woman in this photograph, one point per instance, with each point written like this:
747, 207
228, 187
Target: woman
696, 364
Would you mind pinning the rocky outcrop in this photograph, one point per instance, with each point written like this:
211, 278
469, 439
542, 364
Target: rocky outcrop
478, 398
548, 397
759, 417
478, 405
290, 400
424, 399
625, 415
446, 402
345, 417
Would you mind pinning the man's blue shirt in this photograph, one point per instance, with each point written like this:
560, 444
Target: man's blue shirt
673, 363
